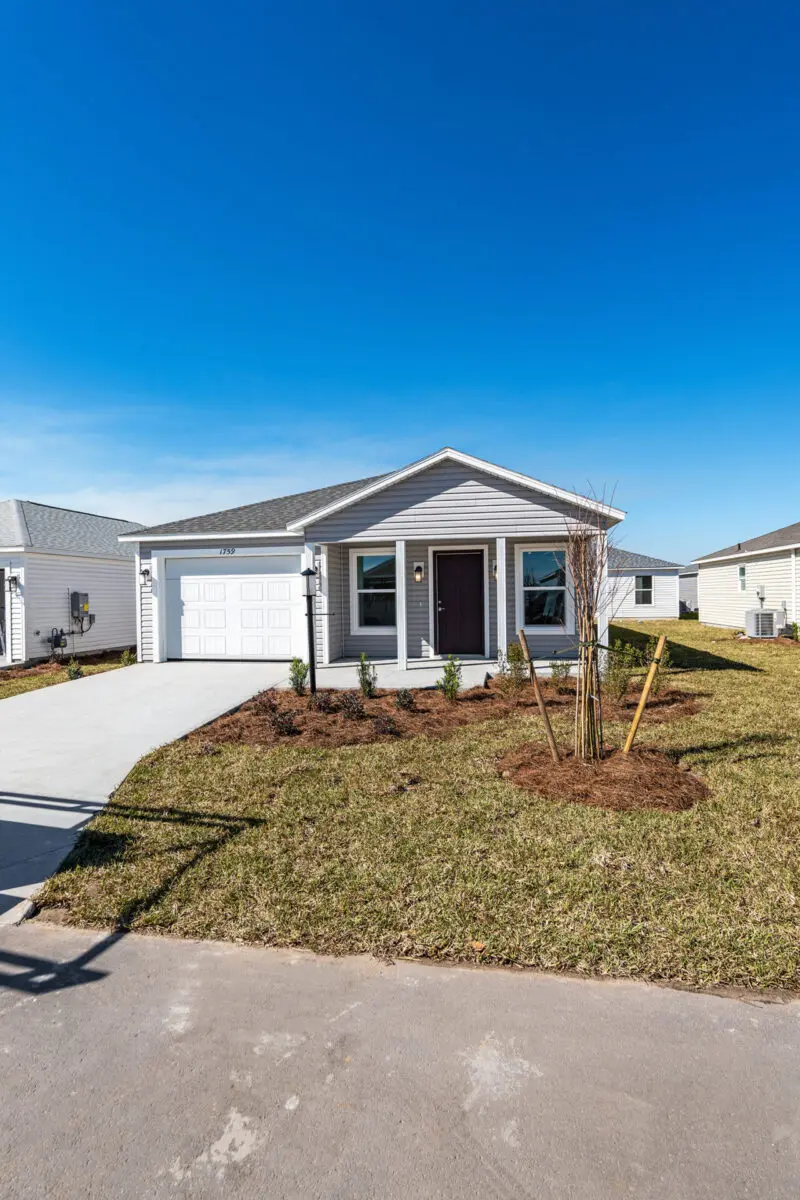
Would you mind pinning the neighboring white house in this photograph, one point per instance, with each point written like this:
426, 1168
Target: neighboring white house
63, 572
450, 554
687, 588
642, 588
762, 572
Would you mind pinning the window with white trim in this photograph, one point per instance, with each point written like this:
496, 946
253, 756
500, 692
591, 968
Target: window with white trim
543, 577
742, 579
373, 591
643, 592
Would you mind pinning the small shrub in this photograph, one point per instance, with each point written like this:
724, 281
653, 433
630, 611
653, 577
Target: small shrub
621, 662
384, 723
298, 675
127, 658
404, 700
265, 703
560, 676
513, 671
283, 722
367, 677
450, 683
322, 702
74, 669
352, 706
794, 631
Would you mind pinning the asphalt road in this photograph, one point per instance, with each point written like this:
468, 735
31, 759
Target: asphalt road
138, 1067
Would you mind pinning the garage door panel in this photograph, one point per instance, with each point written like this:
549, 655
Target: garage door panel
234, 615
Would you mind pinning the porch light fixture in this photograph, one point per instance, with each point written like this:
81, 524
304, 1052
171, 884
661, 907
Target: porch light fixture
144, 577
494, 570
13, 583
419, 572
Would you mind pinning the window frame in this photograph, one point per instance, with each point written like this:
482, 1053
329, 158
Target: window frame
741, 576
636, 589
356, 629
569, 609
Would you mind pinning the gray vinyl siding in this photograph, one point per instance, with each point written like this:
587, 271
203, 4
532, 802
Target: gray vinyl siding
447, 501
687, 592
622, 593
720, 601
110, 585
146, 618
14, 606
333, 602
543, 646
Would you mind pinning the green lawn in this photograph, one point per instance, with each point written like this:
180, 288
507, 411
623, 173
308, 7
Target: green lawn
419, 848
47, 674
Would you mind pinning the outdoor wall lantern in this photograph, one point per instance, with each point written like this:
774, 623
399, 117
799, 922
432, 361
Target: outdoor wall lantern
419, 572
144, 577
13, 583
494, 570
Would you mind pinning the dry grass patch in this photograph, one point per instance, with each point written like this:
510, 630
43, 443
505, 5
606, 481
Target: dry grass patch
16, 680
418, 846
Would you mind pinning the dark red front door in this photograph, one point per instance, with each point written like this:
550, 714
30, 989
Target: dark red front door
459, 602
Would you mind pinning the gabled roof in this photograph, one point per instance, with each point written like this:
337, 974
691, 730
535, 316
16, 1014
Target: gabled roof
629, 560
779, 539
291, 514
28, 525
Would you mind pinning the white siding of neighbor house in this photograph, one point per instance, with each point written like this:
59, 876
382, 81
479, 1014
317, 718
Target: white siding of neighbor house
14, 608
622, 590
446, 501
687, 592
49, 579
721, 602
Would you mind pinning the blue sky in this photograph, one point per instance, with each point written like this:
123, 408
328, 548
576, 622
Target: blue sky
251, 248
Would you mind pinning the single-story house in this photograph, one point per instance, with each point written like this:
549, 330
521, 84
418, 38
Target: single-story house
642, 588
64, 575
761, 572
687, 588
450, 554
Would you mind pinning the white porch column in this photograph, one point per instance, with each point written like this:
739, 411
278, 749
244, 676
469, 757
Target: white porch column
502, 622
400, 598
605, 598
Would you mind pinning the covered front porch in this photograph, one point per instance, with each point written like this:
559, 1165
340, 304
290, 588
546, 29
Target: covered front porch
409, 604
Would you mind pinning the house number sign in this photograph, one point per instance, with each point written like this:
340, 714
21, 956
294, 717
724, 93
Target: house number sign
227, 550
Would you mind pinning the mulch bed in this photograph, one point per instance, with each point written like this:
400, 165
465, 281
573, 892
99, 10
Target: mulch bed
281, 717
645, 778
52, 665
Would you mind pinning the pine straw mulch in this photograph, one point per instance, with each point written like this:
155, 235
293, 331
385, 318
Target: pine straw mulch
52, 666
645, 778
281, 717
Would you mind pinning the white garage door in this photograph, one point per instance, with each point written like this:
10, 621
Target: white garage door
251, 608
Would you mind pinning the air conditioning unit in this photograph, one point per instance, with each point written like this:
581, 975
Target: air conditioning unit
764, 622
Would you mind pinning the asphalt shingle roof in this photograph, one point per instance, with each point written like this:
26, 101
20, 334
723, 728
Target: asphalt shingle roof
629, 560
267, 515
46, 528
789, 535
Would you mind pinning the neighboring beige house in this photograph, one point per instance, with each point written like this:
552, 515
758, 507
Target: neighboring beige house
63, 572
450, 554
739, 578
642, 588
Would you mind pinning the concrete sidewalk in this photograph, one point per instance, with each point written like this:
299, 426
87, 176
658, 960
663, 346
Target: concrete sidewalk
63, 750
138, 1067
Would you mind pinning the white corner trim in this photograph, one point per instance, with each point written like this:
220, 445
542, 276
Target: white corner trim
502, 597
137, 568
433, 550
324, 589
467, 460
370, 630
400, 604
158, 602
519, 601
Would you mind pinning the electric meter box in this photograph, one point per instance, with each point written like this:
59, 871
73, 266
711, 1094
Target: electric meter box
79, 605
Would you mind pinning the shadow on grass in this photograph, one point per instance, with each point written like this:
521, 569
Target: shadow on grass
688, 658
752, 746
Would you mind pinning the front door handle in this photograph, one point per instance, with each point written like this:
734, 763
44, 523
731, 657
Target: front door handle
440, 608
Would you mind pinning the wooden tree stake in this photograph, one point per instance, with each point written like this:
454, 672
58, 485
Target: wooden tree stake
537, 691
648, 683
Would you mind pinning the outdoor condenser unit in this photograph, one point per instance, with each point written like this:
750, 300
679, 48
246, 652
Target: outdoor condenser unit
764, 622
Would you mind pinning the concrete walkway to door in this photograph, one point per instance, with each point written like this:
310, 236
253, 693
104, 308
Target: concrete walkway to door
63, 750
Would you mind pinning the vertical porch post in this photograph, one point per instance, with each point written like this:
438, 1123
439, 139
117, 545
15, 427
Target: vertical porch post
401, 615
605, 598
502, 630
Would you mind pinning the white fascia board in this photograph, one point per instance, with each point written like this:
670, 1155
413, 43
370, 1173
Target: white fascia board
701, 562
14, 549
208, 537
466, 460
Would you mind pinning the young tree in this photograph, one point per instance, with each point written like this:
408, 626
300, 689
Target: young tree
587, 581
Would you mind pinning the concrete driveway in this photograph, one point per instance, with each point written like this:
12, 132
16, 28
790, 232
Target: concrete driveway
136, 1066
64, 749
